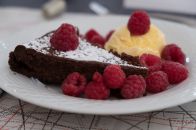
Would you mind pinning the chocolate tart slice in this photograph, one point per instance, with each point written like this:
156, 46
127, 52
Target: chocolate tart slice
37, 59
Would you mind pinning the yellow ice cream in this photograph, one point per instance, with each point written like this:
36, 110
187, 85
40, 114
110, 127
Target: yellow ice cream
122, 41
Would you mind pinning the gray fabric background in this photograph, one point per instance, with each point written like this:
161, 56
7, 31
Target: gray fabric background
115, 6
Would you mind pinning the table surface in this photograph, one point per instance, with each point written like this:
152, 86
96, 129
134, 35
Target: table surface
16, 114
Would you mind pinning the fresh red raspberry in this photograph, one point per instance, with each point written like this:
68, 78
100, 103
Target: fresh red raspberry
97, 77
152, 62
65, 38
98, 41
74, 84
96, 88
175, 71
174, 53
139, 23
157, 82
114, 76
76, 79
71, 90
90, 34
109, 35
93, 37
133, 87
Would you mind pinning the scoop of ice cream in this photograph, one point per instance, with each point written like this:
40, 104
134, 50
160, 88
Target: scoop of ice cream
123, 42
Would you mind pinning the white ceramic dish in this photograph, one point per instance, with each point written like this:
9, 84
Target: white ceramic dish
51, 97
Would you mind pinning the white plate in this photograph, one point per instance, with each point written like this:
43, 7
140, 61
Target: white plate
51, 97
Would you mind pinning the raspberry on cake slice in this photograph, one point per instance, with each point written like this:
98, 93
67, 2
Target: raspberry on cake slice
65, 38
48, 62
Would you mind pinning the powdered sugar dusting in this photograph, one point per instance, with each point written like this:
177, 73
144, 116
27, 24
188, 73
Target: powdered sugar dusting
84, 52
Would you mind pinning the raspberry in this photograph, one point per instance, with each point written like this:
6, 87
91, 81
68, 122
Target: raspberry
96, 88
90, 34
65, 38
174, 53
109, 35
76, 79
157, 82
97, 77
95, 38
133, 87
74, 84
152, 62
175, 71
114, 76
71, 90
139, 23
98, 41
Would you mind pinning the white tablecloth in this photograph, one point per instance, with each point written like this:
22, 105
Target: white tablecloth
16, 114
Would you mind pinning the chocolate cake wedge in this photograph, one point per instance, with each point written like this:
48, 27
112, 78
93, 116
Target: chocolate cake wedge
39, 60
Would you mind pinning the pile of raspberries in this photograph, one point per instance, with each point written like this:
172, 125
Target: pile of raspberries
162, 72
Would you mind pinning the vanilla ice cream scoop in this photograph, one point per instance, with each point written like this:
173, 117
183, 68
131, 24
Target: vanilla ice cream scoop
122, 41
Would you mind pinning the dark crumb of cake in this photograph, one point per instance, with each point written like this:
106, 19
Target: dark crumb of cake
130, 59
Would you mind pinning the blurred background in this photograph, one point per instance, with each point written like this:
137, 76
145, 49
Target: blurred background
18, 14
178, 7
